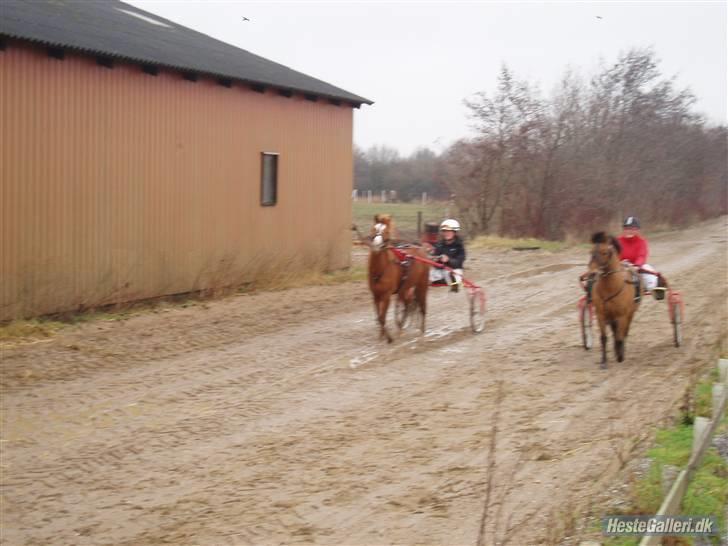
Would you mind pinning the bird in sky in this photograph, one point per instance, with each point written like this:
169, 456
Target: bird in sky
246, 19
599, 17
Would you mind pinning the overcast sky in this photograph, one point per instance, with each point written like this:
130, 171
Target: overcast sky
418, 60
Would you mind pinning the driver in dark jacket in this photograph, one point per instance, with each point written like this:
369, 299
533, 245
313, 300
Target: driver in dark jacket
449, 251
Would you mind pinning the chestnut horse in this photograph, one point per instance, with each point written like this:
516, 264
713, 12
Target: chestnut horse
613, 293
389, 274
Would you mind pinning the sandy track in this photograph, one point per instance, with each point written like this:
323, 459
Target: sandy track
280, 418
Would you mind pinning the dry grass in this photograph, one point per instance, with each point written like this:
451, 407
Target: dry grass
502, 243
30, 330
284, 279
284, 276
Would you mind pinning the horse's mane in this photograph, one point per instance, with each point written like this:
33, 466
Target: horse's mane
616, 244
385, 219
600, 237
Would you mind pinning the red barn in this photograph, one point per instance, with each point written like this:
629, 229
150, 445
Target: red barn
141, 158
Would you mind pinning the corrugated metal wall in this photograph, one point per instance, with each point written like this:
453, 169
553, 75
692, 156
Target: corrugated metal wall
118, 185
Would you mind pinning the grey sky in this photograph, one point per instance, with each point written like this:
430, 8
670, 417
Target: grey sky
419, 60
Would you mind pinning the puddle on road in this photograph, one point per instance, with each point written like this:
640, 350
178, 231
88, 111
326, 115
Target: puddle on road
443, 340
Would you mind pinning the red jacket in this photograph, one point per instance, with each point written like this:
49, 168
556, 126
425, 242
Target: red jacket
634, 249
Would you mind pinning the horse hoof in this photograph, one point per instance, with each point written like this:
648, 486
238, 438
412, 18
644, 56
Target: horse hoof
620, 359
602, 365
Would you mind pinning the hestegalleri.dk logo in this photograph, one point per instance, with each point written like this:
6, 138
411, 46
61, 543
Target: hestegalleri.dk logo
659, 525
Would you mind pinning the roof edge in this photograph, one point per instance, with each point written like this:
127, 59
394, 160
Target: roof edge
137, 60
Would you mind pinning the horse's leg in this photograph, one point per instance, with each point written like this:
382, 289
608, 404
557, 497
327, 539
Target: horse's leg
630, 316
410, 300
603, 339
619, 338
378, 313
402, 302
617, 327
421, 294
622, 332
383, 306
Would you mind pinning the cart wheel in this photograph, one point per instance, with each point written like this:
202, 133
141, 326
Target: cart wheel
402, 317
677, 323
585, 320
476, 301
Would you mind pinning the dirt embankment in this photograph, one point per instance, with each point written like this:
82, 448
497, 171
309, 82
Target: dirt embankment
281, 418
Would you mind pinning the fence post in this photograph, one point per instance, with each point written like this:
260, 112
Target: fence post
669, 474
700, 427
419, 225
369, 196
723, 369
384, 196
717, 399
424, 198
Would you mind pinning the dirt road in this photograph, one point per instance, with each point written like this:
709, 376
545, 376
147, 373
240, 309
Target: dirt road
280, 418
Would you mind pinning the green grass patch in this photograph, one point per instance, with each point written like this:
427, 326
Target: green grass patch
707, 494
673, 446
404, 214
703, 403
405, 217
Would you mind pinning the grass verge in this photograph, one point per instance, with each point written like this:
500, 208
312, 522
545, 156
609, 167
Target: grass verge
707, 493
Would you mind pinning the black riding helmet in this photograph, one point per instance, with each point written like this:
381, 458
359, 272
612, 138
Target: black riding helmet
631, 222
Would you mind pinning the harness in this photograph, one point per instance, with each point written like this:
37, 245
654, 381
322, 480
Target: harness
403, 260
635, 280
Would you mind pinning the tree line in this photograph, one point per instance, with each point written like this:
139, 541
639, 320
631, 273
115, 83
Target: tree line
382, 168
623, 142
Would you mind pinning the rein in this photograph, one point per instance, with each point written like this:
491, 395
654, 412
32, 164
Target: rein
402, 258
612, 272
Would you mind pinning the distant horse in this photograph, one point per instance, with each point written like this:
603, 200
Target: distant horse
613, 293
393, 271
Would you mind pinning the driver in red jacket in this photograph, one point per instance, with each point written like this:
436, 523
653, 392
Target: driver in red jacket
635, 251
634, 246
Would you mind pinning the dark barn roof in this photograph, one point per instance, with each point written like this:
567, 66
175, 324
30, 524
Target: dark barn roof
117, 30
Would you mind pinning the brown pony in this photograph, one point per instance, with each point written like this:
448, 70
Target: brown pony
613, 293
388, 275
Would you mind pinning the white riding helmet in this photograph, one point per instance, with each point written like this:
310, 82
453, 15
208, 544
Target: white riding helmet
450, 225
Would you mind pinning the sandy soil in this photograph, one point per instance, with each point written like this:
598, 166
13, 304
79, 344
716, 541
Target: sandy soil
280, 418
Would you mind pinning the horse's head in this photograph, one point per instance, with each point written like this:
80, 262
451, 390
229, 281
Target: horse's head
605, 253
381, 231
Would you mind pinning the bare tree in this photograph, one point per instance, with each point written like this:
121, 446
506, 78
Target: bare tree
625, 142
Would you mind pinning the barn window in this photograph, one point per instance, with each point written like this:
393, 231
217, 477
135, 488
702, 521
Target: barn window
269, 179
